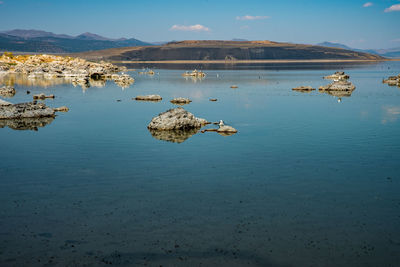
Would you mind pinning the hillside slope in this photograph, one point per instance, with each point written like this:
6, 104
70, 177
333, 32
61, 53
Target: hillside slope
226, 50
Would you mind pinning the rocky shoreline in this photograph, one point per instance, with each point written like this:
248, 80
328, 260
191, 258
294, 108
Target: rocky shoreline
75, 70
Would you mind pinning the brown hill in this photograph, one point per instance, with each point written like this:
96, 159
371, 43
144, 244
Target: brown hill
227, 50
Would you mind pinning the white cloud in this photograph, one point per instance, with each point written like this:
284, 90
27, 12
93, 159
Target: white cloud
248, 17
368, 4
393, 8
192, 28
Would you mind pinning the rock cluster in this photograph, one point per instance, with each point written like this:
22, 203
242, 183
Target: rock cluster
180, 101
25, 110
338, 86
393, 80
77, 70
337, 76
7, 91
176, 119
123, 80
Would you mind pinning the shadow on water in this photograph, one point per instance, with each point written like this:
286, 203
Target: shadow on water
26, 123
174, 136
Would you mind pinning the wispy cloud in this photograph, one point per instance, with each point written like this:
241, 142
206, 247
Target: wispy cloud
368, 4
190, 28
248, 17
393, 8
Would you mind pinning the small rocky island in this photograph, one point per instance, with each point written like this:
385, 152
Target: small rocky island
339, 75
392, 80
75, 70
176, 119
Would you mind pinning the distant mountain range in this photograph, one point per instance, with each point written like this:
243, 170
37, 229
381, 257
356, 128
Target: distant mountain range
389, 53
48, 42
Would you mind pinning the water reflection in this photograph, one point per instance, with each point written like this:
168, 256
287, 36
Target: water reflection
338, 94
26, 123
175, 136
229, 65
46, 81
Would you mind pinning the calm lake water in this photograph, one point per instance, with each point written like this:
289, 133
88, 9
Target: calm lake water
308, 180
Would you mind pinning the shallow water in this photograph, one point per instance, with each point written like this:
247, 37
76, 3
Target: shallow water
307, 180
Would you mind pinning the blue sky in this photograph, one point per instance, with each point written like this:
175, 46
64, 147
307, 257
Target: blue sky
360, 24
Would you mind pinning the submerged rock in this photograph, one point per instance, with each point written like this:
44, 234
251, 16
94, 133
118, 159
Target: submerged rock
7, 91
176, 119
303, 89
26, 123
148, 97
180, 101
25, 110
175, 136
338, 86
339, 75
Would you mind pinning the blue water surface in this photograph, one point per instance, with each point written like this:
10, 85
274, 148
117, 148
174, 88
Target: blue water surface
310, 179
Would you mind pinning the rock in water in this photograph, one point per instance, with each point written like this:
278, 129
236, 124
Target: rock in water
42, 96
7, 91
338, 86
180, 101
339, 75
148, 97
226, 129
176, 119
25, 110
61, 109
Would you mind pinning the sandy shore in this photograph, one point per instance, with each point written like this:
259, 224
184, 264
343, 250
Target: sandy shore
249, 61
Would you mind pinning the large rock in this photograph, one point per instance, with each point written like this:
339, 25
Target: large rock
180, 101
176, 119
7, 91
25, 110
338, 86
